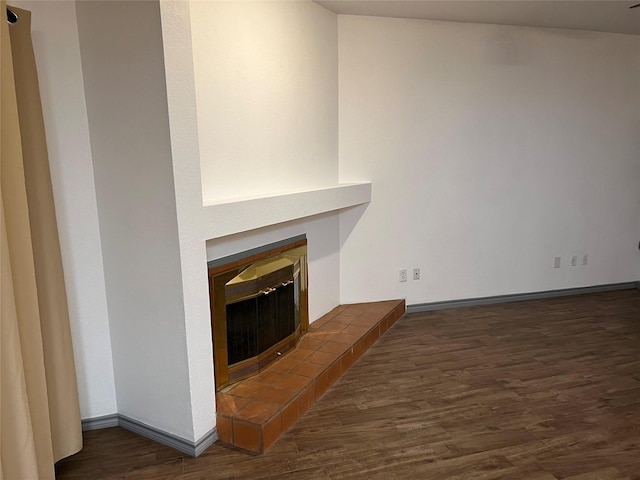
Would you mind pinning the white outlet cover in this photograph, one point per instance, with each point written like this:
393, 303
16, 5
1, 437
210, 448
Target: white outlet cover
404, 275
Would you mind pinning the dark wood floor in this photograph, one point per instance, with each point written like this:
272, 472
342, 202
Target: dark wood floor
545, 389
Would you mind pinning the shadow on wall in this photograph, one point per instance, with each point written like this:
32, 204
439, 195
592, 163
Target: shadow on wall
349, 218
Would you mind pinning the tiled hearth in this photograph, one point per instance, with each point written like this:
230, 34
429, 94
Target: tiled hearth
253, 413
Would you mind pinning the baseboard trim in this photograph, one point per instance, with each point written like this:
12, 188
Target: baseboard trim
205, 442
518, 297
185, 446
96, 423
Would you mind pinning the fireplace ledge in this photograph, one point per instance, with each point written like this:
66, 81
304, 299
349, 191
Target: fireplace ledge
248, 213
253, 413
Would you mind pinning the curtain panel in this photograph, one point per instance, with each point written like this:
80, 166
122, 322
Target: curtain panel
39, 410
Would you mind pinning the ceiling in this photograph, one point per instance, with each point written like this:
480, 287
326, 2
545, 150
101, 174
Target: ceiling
611, 16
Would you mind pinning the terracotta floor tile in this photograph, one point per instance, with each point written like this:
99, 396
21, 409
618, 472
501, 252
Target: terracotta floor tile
312, 341
318, 339
257, 412
342, 320
309, 369
334, 373
246, 389
346, 338
331, 327
322, 358
246, 436
382, 308
224, 429
320, 322
347, 360
271, 431
373, 336
285, 364
383, 327
388, 321
306, 399
358, 349
334, 347
294, 382
269, 377
352, 311
289, 415
228, 404
368, 340
325, 337
359, 330
277, 396
368, 319
321, 385
300, 353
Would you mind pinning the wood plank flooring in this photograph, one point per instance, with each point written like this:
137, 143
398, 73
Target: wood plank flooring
539, 390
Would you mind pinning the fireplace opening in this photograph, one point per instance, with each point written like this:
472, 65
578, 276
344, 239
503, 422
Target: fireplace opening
259, 308
262, 305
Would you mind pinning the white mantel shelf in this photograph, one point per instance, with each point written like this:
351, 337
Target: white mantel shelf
242, 215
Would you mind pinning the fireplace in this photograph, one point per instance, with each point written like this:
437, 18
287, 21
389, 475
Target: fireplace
259, 308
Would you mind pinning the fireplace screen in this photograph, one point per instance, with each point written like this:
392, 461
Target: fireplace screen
263, 302
259, 312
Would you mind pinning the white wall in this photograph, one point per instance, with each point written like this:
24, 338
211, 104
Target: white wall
55, 43
266, 85
125, 89
491, 150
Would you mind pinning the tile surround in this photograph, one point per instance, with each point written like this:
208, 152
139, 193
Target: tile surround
253, 413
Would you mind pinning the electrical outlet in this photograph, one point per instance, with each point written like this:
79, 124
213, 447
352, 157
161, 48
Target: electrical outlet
556, 262
416, 274
574, 260
585, 259
403, 275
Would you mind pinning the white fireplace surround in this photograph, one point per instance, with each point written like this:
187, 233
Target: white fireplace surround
246, 214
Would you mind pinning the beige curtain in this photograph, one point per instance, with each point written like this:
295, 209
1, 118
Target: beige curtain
39, 413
